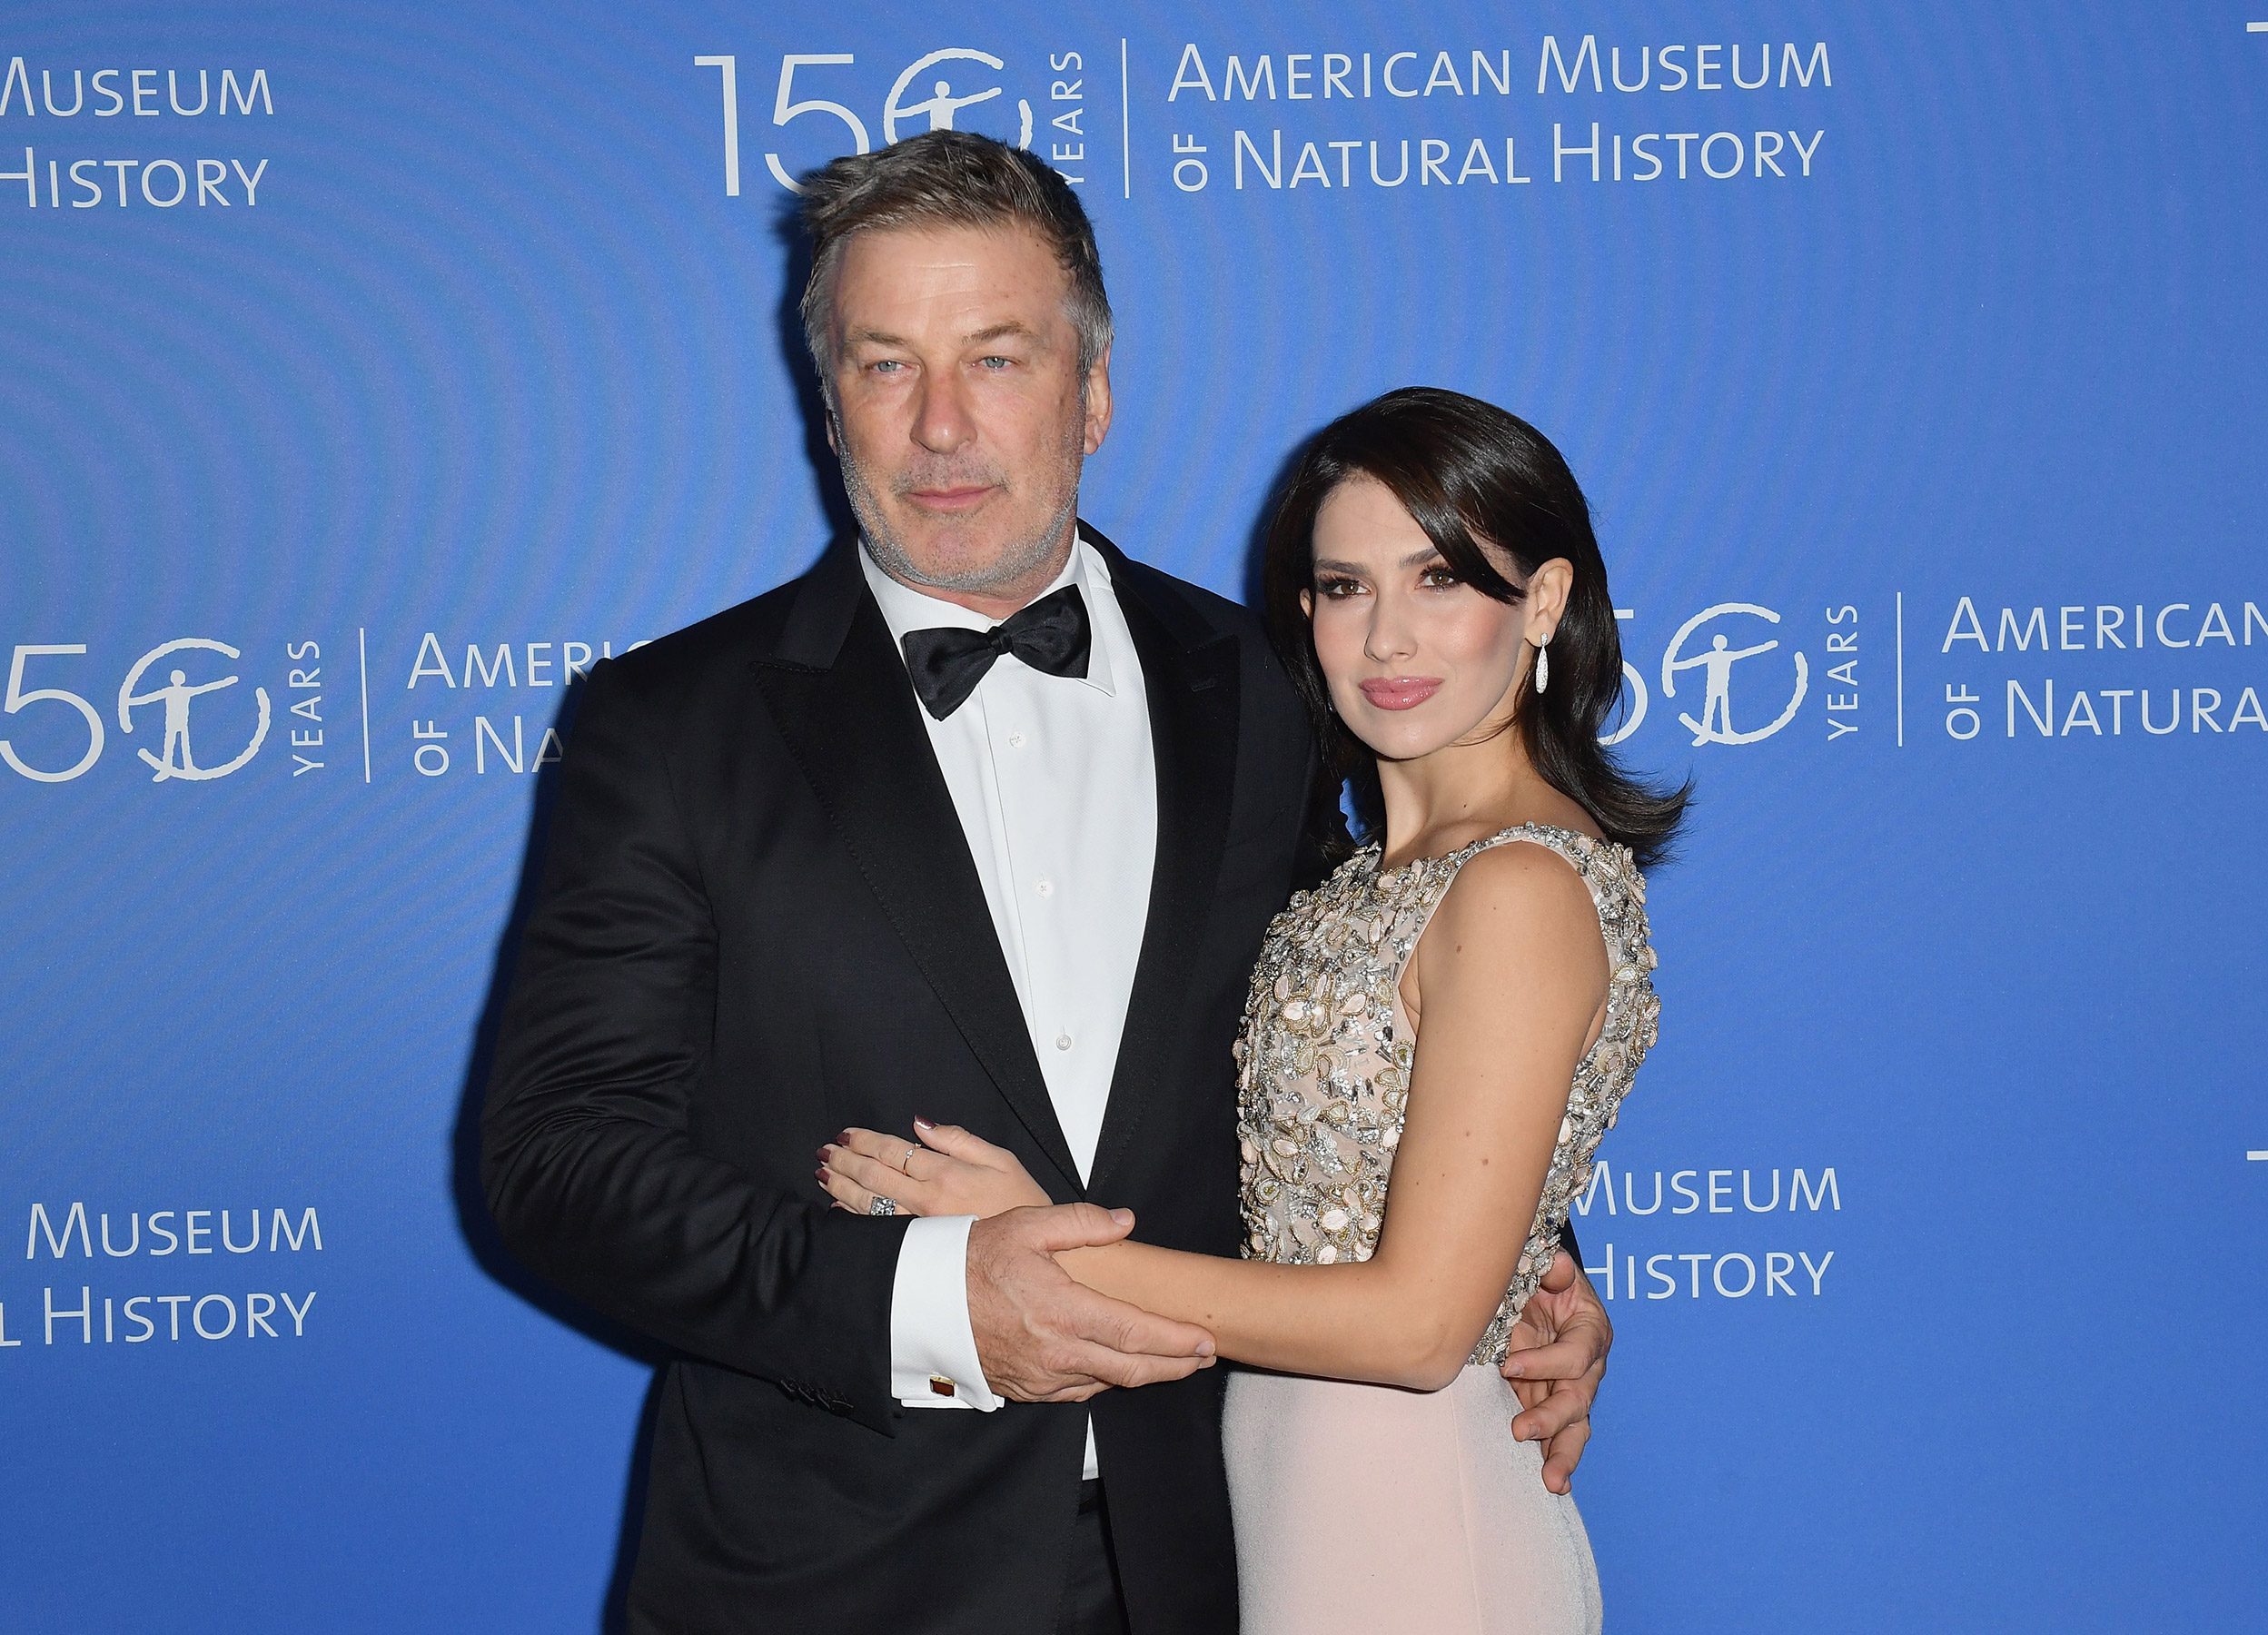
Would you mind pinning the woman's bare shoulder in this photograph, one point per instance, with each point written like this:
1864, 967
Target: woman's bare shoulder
1515, 881
1514, 912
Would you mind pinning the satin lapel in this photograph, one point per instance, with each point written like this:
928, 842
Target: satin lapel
849, 720
1190, 675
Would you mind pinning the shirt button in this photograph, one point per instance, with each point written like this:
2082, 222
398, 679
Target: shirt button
1063, 1041
1015, 740
1045, 889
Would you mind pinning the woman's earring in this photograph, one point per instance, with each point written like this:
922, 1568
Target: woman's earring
1543, 664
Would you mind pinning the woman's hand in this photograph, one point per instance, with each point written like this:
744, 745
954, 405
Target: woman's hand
948, 1172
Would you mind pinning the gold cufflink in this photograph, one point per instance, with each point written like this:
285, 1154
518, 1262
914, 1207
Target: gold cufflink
941, 1386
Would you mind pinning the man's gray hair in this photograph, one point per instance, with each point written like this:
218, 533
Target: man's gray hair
947, 179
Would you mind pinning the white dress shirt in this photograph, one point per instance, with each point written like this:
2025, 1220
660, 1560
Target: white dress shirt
1056, 789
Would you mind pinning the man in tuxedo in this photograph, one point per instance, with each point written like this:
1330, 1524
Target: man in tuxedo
979, 821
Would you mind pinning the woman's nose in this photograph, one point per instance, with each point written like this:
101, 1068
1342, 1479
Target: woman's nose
1391, 637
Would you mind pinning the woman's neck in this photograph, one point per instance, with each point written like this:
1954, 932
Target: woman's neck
1467, 792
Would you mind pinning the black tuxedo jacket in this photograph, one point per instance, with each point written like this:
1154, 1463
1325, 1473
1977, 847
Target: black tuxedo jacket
758, 922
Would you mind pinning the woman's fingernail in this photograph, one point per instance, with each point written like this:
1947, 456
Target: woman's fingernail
923, 1123
842, 1138
1516, 1371
826, 1152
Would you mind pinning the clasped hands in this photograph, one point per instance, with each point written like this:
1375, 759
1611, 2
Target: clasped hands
1044, 1337
1041, 1336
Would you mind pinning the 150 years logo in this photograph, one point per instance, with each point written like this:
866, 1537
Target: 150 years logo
936, 91
176, 757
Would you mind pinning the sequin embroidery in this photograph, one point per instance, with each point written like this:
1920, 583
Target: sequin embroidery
1325, 1054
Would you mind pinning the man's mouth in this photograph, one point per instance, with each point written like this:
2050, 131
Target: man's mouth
951, 499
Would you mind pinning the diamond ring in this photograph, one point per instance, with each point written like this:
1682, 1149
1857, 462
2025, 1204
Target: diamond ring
880, 1205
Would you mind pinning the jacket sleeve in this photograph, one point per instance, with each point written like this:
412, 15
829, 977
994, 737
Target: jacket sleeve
586, 1159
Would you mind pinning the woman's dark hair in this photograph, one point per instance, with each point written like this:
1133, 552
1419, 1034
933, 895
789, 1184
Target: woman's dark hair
1468, 472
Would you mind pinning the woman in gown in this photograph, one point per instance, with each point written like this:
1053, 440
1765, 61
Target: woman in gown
1435, 1039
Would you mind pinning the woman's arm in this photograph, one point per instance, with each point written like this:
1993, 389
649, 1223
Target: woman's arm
1511, 978
1511, 975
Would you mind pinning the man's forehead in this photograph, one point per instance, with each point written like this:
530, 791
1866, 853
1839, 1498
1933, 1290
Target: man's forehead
1009, 264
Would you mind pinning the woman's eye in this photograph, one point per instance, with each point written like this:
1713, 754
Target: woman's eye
1438, 579
1339, 590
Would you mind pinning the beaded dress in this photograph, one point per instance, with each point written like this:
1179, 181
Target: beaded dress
1455, 1531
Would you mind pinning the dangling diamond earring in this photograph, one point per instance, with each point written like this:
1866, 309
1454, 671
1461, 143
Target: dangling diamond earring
1543, 664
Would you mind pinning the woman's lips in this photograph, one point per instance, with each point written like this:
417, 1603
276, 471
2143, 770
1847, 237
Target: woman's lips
1400, 692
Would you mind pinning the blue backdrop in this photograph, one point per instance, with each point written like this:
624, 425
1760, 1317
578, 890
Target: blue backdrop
374, 367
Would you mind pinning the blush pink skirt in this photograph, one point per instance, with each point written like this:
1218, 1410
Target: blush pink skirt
1366, 1508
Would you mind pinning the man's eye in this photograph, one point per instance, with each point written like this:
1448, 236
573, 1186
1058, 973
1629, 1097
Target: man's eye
887, 366
994, 362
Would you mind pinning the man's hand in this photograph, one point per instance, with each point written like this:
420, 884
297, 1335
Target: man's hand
1559, 1356
1043, 1337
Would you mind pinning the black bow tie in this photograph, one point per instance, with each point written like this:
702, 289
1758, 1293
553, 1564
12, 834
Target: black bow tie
946, 664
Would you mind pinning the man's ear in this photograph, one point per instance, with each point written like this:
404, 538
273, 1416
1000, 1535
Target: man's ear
1098, 402
834, 432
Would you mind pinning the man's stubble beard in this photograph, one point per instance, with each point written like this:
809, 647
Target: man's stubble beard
1022, 557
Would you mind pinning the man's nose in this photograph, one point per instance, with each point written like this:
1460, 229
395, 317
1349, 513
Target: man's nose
942, 422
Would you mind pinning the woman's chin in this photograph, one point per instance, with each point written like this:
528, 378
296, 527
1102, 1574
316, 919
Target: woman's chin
1396, 737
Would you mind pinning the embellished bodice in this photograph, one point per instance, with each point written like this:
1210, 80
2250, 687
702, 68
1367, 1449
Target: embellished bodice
1327, 1049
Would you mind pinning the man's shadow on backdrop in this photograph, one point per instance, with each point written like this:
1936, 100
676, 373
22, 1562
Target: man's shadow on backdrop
481, 1236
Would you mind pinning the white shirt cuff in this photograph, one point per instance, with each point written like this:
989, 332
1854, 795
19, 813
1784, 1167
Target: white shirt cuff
931, 1345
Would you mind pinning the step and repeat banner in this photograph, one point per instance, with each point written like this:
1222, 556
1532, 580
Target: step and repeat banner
372, 372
